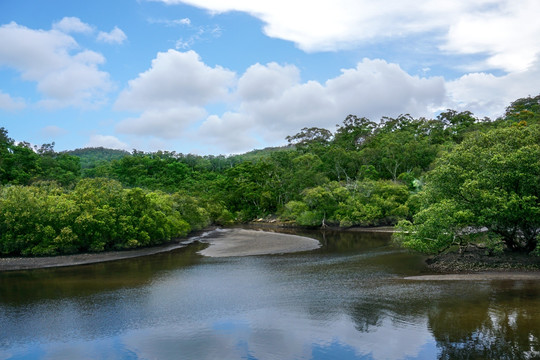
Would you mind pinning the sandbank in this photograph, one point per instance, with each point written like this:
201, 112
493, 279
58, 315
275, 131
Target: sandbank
242, 242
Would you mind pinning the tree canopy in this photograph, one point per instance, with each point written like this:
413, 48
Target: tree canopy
488, 183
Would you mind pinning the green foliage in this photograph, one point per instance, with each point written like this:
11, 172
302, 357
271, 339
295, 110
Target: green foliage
489, 181
95, 156
363, 203
98, 215
22, 165
524, 111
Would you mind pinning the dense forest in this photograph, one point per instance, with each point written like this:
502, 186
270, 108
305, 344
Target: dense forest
445, 182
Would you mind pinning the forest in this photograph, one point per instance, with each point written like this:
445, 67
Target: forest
443, 182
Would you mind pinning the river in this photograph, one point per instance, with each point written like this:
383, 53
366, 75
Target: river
346, 300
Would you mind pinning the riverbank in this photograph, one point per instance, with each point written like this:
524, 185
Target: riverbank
475, 259
222, 242
20, 263
480, 276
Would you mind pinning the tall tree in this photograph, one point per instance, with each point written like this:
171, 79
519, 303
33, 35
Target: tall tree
491, 180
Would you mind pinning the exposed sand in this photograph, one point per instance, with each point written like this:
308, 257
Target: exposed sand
533, 275
242, 242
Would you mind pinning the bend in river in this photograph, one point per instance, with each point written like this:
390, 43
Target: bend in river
347, 299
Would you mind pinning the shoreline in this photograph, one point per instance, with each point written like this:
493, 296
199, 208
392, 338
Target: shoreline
267, 242
503, 275
32, 263
240, 242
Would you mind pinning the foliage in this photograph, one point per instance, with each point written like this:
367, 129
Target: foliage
97, 215
491, 181
22, 165
363, 203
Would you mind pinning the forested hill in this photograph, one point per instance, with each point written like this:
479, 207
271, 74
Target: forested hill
432, 177
93, 156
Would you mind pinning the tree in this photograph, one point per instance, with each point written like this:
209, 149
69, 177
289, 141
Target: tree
491, 181
457, 123
310, 139
403, 149
524, 109
354, 132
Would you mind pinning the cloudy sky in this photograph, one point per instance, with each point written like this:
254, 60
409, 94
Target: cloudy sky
229, 76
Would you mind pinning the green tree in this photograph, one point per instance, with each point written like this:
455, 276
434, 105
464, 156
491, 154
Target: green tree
354, 132
490, 180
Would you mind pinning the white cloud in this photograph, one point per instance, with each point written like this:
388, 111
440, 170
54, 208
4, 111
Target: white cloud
281, 105
176, 78
65, 75
508, 34
230, 133
116, 36
262, 82
175, 22
106, 141
162, 123
72, 25
504, 32
488, 95
9, 103
172, 94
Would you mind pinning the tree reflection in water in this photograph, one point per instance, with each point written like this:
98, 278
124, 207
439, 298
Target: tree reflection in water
501, 327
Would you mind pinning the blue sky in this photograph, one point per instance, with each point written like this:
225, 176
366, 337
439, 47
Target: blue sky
228, 76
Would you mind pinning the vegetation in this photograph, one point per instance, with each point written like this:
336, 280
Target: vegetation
446, 182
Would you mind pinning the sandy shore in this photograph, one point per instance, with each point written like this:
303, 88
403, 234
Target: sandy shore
242, 242
481, 276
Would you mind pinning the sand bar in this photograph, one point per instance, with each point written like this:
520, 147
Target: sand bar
242, 242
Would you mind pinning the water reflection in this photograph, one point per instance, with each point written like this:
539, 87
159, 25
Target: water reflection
347, 300
79, 281
503, 325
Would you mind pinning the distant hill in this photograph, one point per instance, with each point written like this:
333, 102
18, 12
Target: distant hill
261, 153
92, 156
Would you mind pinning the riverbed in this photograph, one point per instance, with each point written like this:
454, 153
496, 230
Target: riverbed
352, 296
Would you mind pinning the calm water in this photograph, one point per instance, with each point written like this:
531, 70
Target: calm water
347, 300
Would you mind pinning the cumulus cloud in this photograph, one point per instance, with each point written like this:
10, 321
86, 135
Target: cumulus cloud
115, 36
488, 95
106, 141
172, 94
505, 34
65, 75
9, 103
72, 25
281, 105
176, 78
270, 101
162, 123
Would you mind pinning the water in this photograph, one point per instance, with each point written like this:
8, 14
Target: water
347, 300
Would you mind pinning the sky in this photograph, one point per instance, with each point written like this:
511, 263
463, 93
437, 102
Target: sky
229, 76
